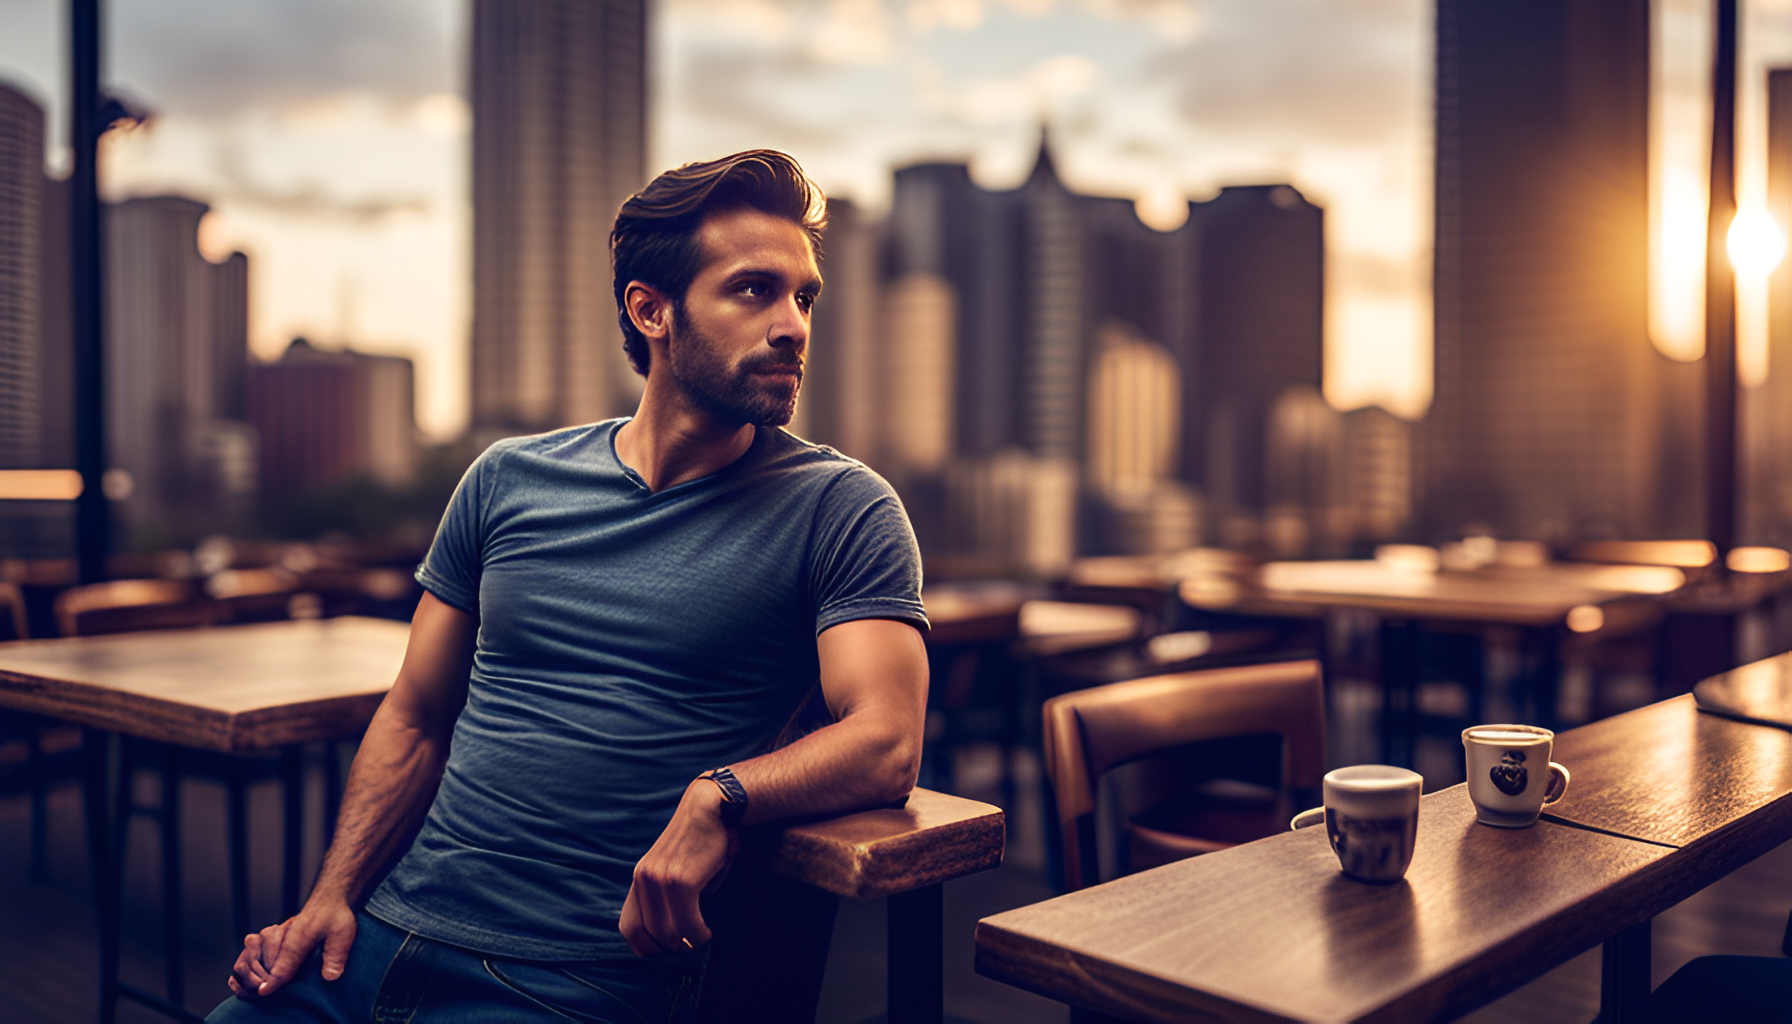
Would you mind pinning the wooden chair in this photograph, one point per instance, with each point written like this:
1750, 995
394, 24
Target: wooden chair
1088, 733
42, 747
253, 595
774, 916
125, 606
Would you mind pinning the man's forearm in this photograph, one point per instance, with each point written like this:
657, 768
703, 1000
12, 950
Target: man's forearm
852, 764
874, 675
390, 787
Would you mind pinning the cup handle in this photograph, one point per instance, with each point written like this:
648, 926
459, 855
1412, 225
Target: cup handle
1305, 818
1558, 784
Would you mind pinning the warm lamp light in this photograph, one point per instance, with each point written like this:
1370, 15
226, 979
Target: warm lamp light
1755, 243
39, 485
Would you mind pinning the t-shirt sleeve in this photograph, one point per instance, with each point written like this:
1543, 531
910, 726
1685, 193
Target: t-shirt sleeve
451, 569
867, 564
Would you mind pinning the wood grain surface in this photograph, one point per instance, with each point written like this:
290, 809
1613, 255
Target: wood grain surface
1273, 931
1759, 692
934, 837
1668, 774
231, 688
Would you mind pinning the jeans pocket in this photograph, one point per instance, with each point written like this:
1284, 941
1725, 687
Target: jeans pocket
603, 1000
405, 982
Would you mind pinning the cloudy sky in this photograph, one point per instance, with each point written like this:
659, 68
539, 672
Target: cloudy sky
330, 136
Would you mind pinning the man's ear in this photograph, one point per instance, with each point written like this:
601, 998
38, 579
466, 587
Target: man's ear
649, 309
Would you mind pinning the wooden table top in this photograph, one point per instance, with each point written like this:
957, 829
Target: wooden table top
1537, 596
934, 837
1273, 931
229, 688
1759, 692
1668, 774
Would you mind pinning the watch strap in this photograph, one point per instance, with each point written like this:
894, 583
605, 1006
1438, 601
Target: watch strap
734, 795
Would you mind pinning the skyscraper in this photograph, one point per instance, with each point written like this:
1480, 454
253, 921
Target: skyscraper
1102, 371
323, 417
1545, 422
839, 403
1260, 323
177, 336
21, 200
559, 93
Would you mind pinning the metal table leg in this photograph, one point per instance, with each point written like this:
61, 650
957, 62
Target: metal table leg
173, 910
237, 799
97, 752
1624, 976
916, 981
292, 786
1400, 640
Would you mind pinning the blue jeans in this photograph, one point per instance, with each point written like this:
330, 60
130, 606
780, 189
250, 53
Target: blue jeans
398, 978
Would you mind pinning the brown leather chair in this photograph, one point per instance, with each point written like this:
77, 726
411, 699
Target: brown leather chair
125, 606
1089, 733
253, 595
13, 623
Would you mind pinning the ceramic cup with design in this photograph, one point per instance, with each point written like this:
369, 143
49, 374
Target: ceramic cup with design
1371, 815
1510, 776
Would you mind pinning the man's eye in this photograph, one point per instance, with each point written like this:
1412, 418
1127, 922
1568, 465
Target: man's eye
806, 302
754, 290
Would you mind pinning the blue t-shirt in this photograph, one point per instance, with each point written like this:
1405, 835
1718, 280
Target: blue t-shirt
628, 641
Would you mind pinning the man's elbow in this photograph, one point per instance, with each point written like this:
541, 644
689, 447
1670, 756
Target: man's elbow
899, 766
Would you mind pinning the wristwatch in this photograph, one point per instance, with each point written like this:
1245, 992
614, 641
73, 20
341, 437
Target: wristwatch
734, 795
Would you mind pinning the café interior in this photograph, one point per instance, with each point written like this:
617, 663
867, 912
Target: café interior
1485, 778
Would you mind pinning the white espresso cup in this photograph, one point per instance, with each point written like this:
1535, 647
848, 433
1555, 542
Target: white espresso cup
1510, 776
1371, 816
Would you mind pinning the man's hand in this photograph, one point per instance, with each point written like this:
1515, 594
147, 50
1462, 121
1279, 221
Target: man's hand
661, 914
273, 957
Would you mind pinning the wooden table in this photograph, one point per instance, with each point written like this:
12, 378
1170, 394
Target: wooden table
232, 690
1545, 603
904, 853
1759, 692
1669, 774
1664, 801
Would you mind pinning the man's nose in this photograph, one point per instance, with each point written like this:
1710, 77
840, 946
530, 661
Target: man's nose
791, 329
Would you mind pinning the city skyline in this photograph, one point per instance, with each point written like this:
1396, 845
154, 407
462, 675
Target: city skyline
347, 181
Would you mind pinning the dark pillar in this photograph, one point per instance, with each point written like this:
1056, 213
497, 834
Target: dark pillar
1720, 297
92, 519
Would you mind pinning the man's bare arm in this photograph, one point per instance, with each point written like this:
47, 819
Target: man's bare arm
390, 787
874, 678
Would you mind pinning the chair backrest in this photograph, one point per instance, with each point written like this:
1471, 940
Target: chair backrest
234, 583
1088, 732
12, 613
123, 606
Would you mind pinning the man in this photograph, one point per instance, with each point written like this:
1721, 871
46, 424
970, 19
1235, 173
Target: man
613, 611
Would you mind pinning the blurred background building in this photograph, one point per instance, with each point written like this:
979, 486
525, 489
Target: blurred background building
1050, 377
324, 417
559, 99
177, 350
1554, 417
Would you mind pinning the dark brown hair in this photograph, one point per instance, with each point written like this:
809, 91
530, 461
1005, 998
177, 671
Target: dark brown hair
655, 237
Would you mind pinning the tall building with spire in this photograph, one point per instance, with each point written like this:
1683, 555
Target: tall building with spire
1053, 366
559, 98
1547, 419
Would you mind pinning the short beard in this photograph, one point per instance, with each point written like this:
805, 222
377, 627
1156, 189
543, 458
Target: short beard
732, 394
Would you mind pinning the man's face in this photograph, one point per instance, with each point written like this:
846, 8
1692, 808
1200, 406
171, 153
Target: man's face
737, 341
